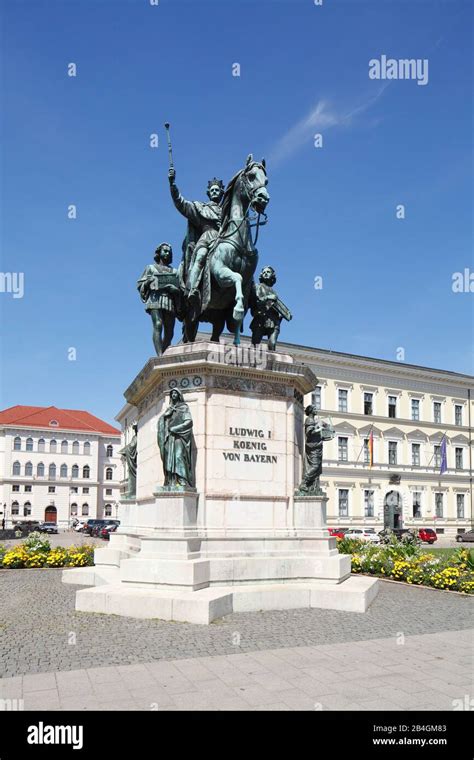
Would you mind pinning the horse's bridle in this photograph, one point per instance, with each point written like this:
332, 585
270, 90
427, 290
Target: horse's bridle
245, 217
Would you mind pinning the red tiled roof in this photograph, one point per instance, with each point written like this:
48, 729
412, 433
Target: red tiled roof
67, 419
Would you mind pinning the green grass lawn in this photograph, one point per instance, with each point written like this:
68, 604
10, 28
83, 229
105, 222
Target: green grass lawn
447, 552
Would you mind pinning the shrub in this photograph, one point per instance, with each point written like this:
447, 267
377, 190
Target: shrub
406, 562
16, 557
57, 557
37, 542
80, 556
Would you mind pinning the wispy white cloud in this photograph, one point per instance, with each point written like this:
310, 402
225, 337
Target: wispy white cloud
322, 116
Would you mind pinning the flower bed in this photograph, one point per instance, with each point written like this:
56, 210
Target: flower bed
36, 551
410, 564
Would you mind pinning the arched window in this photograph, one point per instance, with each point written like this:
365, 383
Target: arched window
75, 471
85, 510
109, 473
16, 468
75, 447
52, 471
53, 446
86, 471
87, 448
40, 470
63, 471
73, 509
110, 451
27, 509
41, 444
64, 447
28, 469
17, 443
29, 444
15, 508
108, 510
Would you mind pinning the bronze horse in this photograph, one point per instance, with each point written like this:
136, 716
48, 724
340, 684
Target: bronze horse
232, 257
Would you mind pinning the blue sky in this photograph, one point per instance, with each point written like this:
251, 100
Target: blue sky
304, 69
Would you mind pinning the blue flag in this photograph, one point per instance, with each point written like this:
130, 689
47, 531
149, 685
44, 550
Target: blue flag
444, 460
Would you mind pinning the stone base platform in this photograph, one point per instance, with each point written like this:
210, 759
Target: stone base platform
203, 606
181, 572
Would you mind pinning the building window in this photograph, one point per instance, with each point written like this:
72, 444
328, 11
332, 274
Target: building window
15, 487
457, 414
28, 489
29, 444
16, 468
40, 470
85, 490
459, 459
51, 489
108, 492
75, 447
366, 451
87, 448
415, 409
75, 471
64, 447
52, 472
85, 510
109, 473
15, 508
86, 471
74, 489
29, 469
439, 504
437, 456
415, 454
63, 471
343, 502
416, 496
108, 510
437, 412
27, 509
369, 503
460, 506
392, 406
342, 449
110, 449
41, 444
73, 509
342, 399
368, 403
392, 452
17, 444
53, 446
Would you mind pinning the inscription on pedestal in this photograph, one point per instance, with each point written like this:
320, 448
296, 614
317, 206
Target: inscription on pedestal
250, 445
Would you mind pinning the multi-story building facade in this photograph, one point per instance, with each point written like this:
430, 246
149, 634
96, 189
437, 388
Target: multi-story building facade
403, 411
57, 464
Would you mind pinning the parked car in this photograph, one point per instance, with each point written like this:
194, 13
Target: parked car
26, 526
364, 534
337, 532
48, 527
107, 530
79, 526
428, 535
92, 525
465, 537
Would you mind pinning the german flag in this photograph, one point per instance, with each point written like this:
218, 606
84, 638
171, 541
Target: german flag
371, 448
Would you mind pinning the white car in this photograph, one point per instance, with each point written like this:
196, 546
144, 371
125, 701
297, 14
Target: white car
364, 534
79, 526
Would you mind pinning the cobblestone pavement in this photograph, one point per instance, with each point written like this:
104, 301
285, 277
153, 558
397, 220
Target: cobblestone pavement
63, 538
427, 672
41, 632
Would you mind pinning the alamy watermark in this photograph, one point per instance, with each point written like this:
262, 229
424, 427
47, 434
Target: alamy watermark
12, 282
399, 68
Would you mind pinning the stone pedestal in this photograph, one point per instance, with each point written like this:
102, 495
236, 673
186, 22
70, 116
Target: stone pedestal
242, 541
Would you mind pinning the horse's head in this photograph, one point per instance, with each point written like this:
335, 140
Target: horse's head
254, 182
